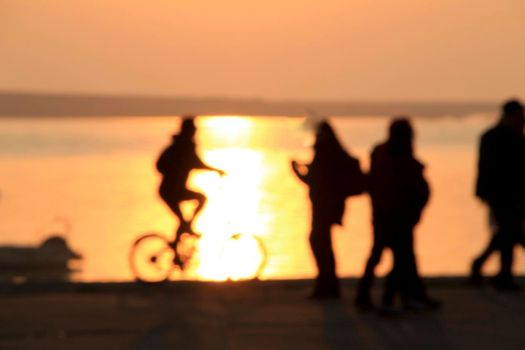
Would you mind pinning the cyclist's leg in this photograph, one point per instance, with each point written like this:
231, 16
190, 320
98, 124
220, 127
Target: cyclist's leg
201, 201
173, 201
175, 208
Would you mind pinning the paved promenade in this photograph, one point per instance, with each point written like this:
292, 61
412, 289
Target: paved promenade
252, 315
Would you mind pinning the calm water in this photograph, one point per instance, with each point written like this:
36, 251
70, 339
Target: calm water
98, 174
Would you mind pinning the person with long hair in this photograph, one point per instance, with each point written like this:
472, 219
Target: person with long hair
324, 178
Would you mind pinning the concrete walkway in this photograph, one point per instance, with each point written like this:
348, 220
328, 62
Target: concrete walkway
254, 315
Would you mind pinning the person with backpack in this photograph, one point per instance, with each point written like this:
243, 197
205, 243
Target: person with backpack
331, 177
175, 164
399, 193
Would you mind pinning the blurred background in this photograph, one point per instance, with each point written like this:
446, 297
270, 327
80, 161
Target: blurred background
91, 92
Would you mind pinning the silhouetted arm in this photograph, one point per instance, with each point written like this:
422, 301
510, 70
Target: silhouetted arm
199, 164
425, 192
486, 167
420, 191
297, 171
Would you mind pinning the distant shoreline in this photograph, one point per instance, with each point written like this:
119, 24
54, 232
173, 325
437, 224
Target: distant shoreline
16, 104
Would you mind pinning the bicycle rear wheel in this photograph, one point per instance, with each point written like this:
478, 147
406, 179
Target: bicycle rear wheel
151, 258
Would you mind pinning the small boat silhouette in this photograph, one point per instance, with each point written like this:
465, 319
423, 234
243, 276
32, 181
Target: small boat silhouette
52, 256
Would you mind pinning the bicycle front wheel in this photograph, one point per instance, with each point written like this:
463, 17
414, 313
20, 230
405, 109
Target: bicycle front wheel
151, 258
243, 257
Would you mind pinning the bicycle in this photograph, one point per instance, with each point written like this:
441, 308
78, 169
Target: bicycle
154, 258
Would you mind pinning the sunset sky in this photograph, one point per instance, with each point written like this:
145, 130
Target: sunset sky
273, 49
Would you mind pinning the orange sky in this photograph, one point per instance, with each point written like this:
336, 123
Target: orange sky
278, 49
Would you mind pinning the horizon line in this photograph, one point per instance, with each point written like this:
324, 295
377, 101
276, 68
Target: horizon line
72, 104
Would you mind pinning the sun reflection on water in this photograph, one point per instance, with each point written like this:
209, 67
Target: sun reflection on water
233, 204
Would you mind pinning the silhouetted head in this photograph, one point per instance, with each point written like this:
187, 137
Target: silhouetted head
325, 136
187, 128
327, 146
325, 131
513, 116
400, 136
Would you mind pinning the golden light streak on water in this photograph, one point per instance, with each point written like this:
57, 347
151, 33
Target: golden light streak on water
233, 206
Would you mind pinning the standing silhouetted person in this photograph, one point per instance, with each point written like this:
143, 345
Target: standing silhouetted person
399, 192
501, 184
331, 176
175, 164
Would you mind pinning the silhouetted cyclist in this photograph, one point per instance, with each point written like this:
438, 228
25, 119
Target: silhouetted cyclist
175, 164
